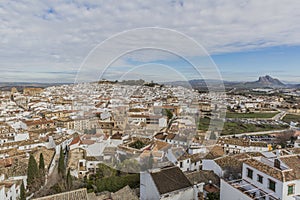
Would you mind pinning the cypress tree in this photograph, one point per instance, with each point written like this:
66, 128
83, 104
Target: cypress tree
22, 192
42, 169
32, 172
151, 161
69, 180
61, 163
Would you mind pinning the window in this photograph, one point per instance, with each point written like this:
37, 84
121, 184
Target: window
180, 164
259, 178
272, 185
291, 189
249, 173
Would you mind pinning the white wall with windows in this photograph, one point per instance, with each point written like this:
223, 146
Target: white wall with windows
270, 185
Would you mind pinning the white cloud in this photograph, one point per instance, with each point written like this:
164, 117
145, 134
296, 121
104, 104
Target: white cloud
57, 35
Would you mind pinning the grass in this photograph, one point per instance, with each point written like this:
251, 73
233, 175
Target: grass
203, 124
264, 115
238, 127
138, 144
109, 179
291, 118
231, 128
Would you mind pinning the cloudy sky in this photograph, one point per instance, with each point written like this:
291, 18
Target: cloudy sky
48, 41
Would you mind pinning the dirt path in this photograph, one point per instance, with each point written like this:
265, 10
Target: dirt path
52, 180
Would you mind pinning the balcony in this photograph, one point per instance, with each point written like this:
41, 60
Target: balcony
251, 190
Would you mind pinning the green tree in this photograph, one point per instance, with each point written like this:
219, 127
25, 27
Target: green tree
69, 180
129, 165
22, 192
61, 163
151, 161
169, 114
42, 169
32, 173
115, 183
213, 196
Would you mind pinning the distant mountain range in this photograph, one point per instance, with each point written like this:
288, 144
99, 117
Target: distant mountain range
266, 81
20, 85
262, 82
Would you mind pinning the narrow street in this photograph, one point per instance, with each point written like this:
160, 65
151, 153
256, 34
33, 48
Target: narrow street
279, 116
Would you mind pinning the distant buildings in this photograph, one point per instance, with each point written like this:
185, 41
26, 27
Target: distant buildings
154, 127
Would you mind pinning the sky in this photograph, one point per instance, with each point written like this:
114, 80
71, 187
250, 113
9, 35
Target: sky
52, 41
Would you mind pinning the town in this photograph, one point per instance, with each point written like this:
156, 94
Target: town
114, 140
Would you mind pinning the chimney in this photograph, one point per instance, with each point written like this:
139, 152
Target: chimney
278, 153
277, 163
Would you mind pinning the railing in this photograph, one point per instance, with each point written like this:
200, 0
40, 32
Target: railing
250, 190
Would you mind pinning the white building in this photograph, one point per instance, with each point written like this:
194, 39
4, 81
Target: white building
168, 183
266, 178
238, 145
10, 188
297, 143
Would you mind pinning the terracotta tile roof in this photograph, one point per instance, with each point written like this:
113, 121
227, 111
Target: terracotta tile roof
241, 142
170, 179
40, 121
18, 167
244, 156
197, 157
88, 142
7, 162
75, 141
292, 161
47, 154
264, 168
215, 152
124, 193
170, 136
295, 150
75, 194
160, 145
183, 156
211, 188
160, 136
228, 162
116, 136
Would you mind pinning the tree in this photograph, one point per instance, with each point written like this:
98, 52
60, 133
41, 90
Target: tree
61, 163
150, 161
284, 137
69, 180
32, 173
129, 165
22, 192
169, 114
213, 196
42, 169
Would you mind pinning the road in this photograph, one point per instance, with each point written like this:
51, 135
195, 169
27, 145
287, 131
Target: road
280, 115
255, 133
